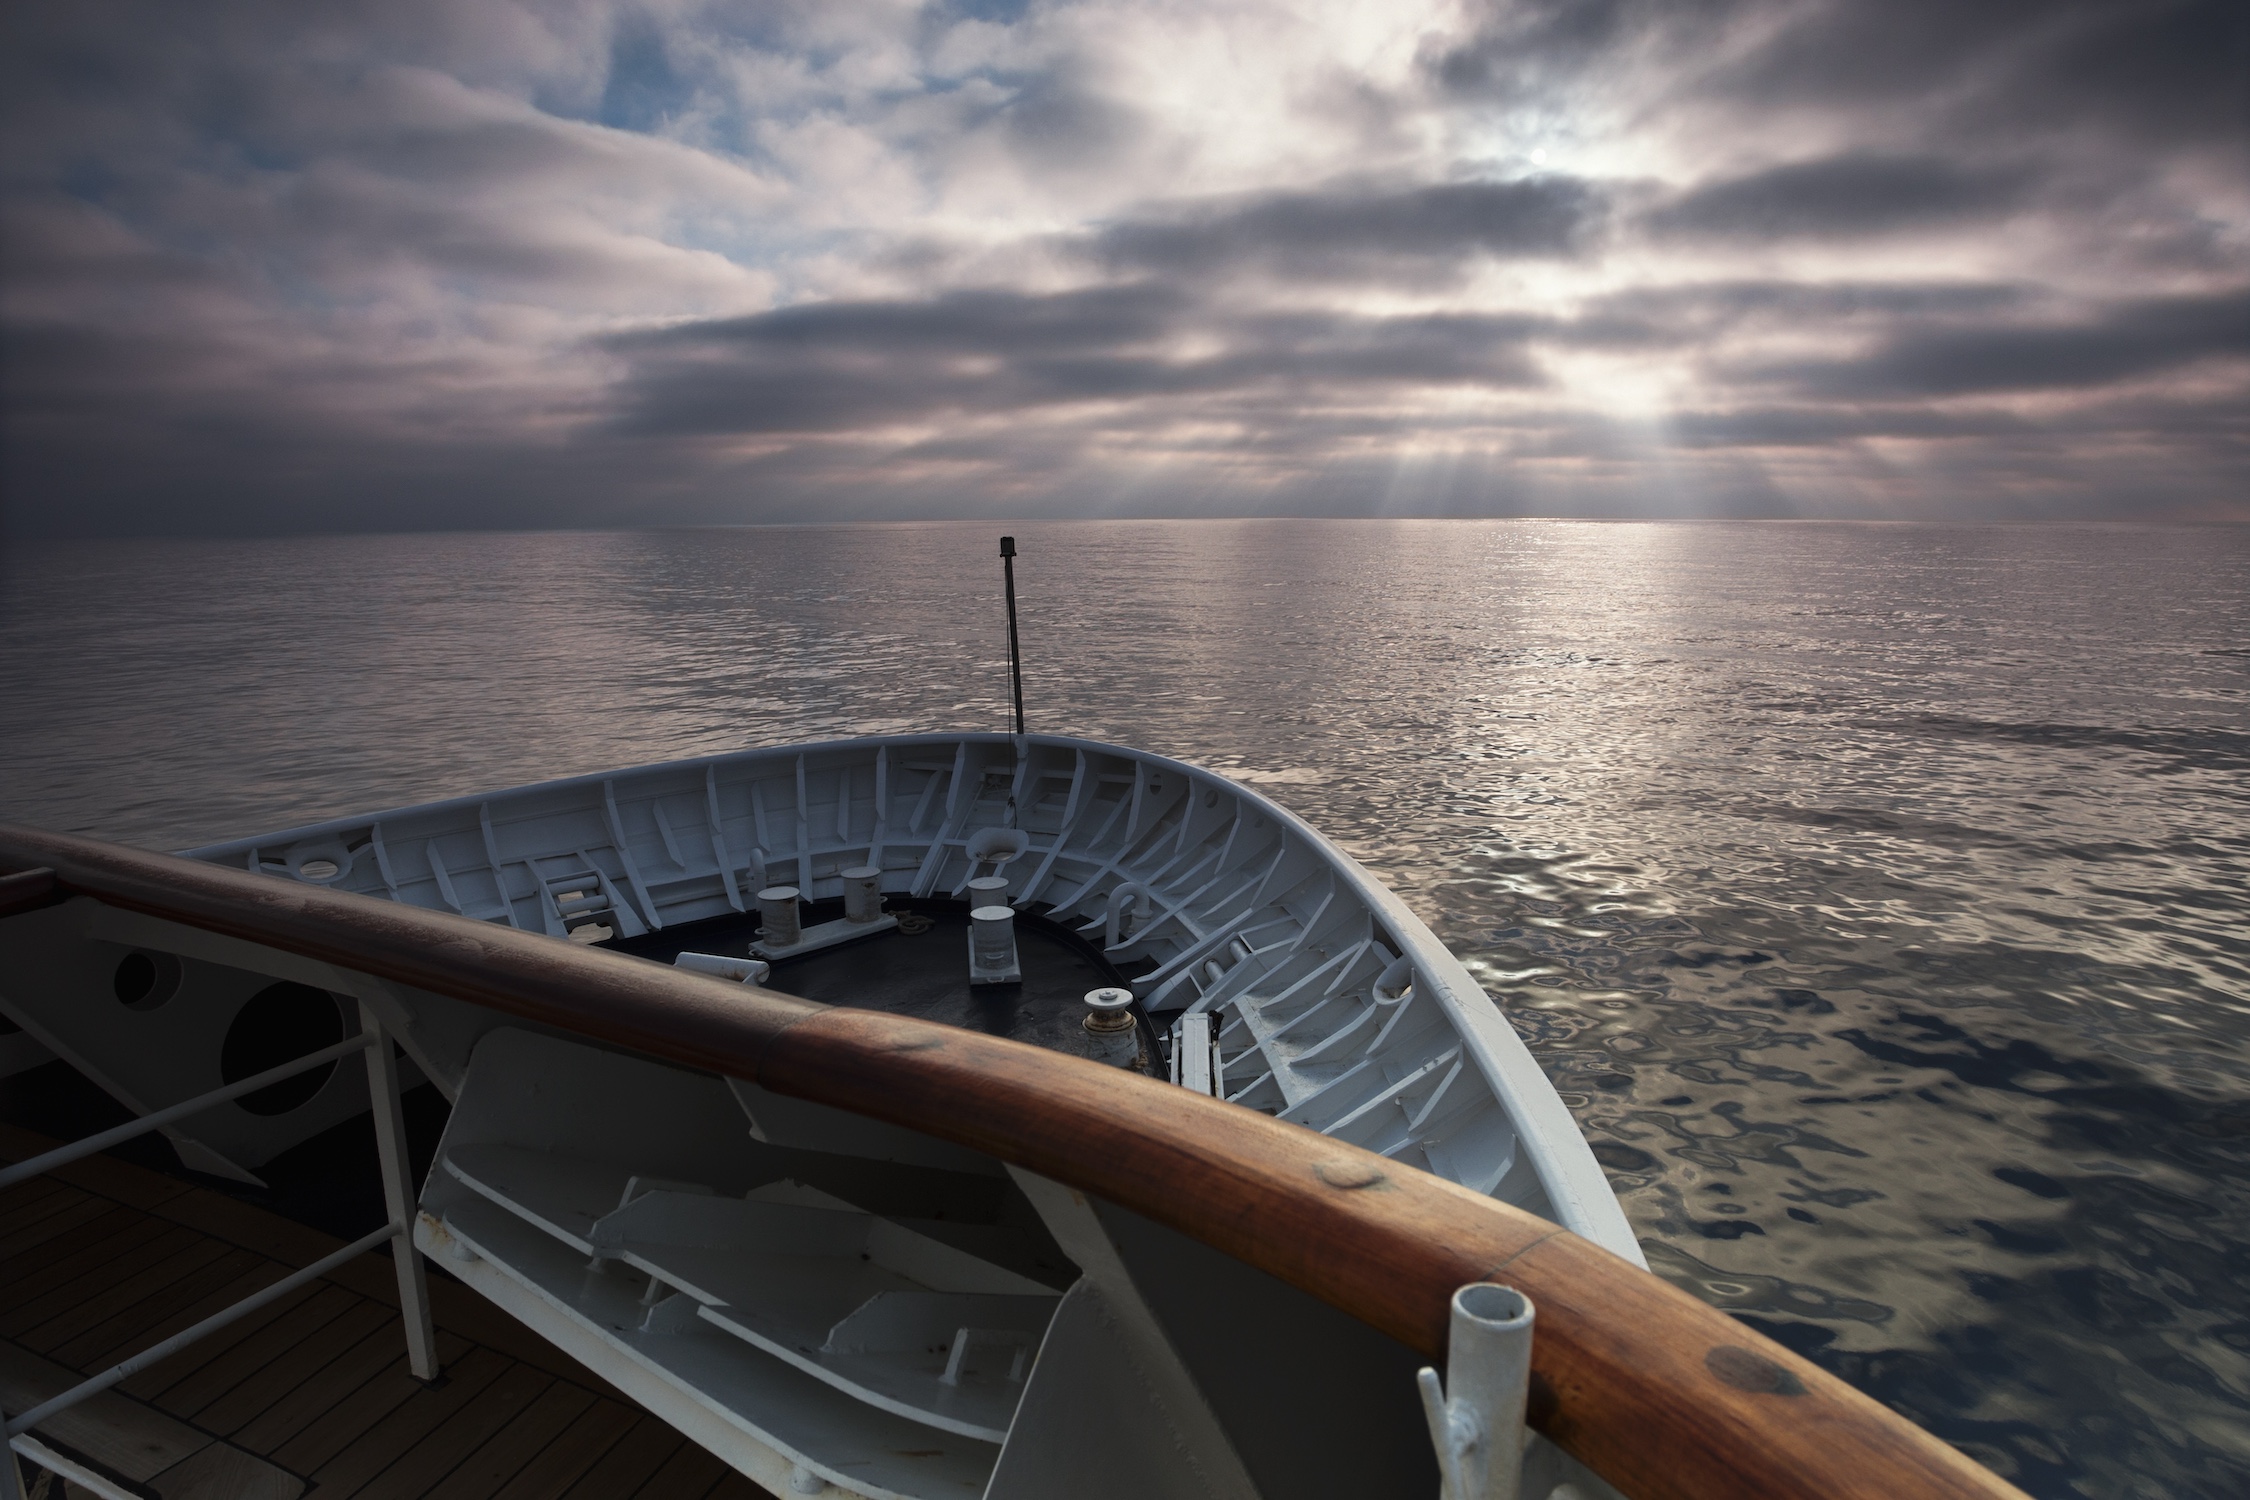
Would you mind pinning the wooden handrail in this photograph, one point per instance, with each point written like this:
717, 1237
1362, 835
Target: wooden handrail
1662, 1395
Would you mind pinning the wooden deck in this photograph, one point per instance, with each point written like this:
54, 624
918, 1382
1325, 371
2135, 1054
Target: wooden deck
310, 1395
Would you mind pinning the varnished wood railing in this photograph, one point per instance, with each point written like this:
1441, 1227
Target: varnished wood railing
1662, 1395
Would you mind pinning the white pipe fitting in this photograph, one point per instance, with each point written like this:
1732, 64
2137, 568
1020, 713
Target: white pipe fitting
1476, 1419
996, 846
718, 965
863, 893
1133, 896
777, 910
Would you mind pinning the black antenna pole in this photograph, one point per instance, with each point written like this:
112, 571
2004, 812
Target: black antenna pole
1015, 650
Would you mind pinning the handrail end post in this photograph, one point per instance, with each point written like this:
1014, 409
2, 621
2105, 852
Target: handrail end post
1477, 1417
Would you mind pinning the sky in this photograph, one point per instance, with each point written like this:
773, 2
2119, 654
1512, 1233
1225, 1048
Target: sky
305, 265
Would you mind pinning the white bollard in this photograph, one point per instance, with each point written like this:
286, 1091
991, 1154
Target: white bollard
1476, 1419
777, 909
988, 890
992, 946
1109, 1026
863, 893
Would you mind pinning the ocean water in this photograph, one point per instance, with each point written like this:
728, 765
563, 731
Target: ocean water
1877, 896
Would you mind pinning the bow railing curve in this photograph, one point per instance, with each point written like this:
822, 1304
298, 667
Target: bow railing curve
1662, 1395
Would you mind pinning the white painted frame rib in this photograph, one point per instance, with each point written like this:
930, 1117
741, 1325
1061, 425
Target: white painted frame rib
382, 858
499, 868
877, 836
804, 833
440, 874
664, 836
719, 850
636, 888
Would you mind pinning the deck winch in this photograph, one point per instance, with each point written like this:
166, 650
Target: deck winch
1109, 1024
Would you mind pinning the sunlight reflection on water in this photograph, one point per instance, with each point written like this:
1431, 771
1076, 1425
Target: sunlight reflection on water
1875, 895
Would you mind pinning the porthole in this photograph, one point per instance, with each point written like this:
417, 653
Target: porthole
281, 1022
145, 980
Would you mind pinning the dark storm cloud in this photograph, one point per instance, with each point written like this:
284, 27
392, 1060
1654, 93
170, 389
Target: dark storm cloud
2132, 340
1346, 233
1820, 427
1702, 304
2166, 72
2169, 72
831, 367
1842, 196
1704, 315
964, 323
1519, 51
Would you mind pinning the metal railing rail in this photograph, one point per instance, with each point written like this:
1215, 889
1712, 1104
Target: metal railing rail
398, 1203
94, 1145
1662, 1395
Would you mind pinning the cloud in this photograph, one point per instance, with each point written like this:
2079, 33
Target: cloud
532, 262
1346, 234
1710, 313
1534, 50
2166, 74
1060, 124
837, 366
1852, 196
2126, 342
1826, 427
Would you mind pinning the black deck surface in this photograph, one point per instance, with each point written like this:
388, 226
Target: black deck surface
926, 973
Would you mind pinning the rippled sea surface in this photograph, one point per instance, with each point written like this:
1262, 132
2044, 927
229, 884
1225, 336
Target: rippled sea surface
1878, 896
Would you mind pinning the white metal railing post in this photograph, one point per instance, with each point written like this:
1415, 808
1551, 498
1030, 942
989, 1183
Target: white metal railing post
391, 1146
398, 1196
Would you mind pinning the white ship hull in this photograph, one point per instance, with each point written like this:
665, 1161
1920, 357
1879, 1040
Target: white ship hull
836, 1305
1256, 917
